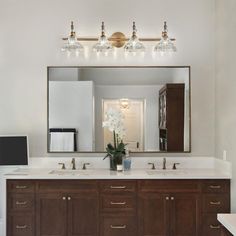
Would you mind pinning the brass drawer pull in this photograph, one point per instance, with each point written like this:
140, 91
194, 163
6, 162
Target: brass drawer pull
215, 203
21, 203
117, 187
215, 226
118, 226
21, 226
117, 203
215, 186
21, 186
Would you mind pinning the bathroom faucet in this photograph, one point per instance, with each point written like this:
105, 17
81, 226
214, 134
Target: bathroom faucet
73, 164
164, 164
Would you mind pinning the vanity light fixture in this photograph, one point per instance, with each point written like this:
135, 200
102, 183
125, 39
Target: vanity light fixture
134, 45
118, 39
72, 44
165, 45
103, 45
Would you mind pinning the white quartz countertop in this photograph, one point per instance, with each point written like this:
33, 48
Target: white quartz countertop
229, 222
42, 173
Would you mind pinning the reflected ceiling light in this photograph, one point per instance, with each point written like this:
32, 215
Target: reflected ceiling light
165, 45
124, 103
72, 45
134, 45
103, 45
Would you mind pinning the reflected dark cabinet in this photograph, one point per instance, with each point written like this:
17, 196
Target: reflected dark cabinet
171, 118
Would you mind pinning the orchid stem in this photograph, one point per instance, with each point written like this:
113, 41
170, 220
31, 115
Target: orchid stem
114, 136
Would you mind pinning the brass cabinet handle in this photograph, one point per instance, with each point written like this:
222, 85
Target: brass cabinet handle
69, 198
64, 198
21, 203
167, 198
117, 187
118, 226
215, 203
215, 226
21, 226
21, 186
215, 186
172, 198
117, 203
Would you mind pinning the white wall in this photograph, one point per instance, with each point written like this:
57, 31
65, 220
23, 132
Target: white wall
148, 93
71, 106
30, 40
226, 86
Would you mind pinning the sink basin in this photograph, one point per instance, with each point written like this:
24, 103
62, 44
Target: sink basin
167, 172
70, 172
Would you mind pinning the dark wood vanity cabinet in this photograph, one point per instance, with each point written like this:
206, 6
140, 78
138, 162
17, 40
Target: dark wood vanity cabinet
170, 208
171, 118
116, 207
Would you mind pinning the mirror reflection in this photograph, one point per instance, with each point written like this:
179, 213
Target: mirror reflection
152, 103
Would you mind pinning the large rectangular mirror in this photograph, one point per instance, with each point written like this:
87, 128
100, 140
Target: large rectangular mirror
154, 103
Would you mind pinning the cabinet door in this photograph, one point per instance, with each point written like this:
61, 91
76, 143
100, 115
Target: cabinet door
83, 214
51, 214
185, 212
153, 214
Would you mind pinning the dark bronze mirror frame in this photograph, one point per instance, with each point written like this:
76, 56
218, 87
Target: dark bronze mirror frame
139, 153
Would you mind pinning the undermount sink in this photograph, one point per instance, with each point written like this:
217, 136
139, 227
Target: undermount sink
70, 172
167, 172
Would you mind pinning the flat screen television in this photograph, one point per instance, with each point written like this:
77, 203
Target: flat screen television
13, 150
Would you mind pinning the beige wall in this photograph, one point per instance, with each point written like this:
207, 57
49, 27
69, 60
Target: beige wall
226, 85
30, 33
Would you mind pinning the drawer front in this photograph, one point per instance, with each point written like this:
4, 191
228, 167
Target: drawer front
65, 186
21, 202
117, 226
20, 225
210, 225
216, 203
167, 186
118, 202
117, 186
20, 186
216, 186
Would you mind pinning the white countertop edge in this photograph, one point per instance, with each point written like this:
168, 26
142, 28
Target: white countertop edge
228, 221
37, 173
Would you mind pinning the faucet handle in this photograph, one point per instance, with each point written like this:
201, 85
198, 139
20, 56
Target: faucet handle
174, 165
63, 166
153, 165
84, 166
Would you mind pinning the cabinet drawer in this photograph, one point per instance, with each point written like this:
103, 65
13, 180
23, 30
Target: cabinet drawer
66, 185
118, 186
20, 202
216, 186
117, 226
167, 186
20, 225
210, 225
218, 203
118, 202
20, 186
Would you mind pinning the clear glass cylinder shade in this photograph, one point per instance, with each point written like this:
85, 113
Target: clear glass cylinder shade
134, 45
165, 46
72, 45
103, 45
